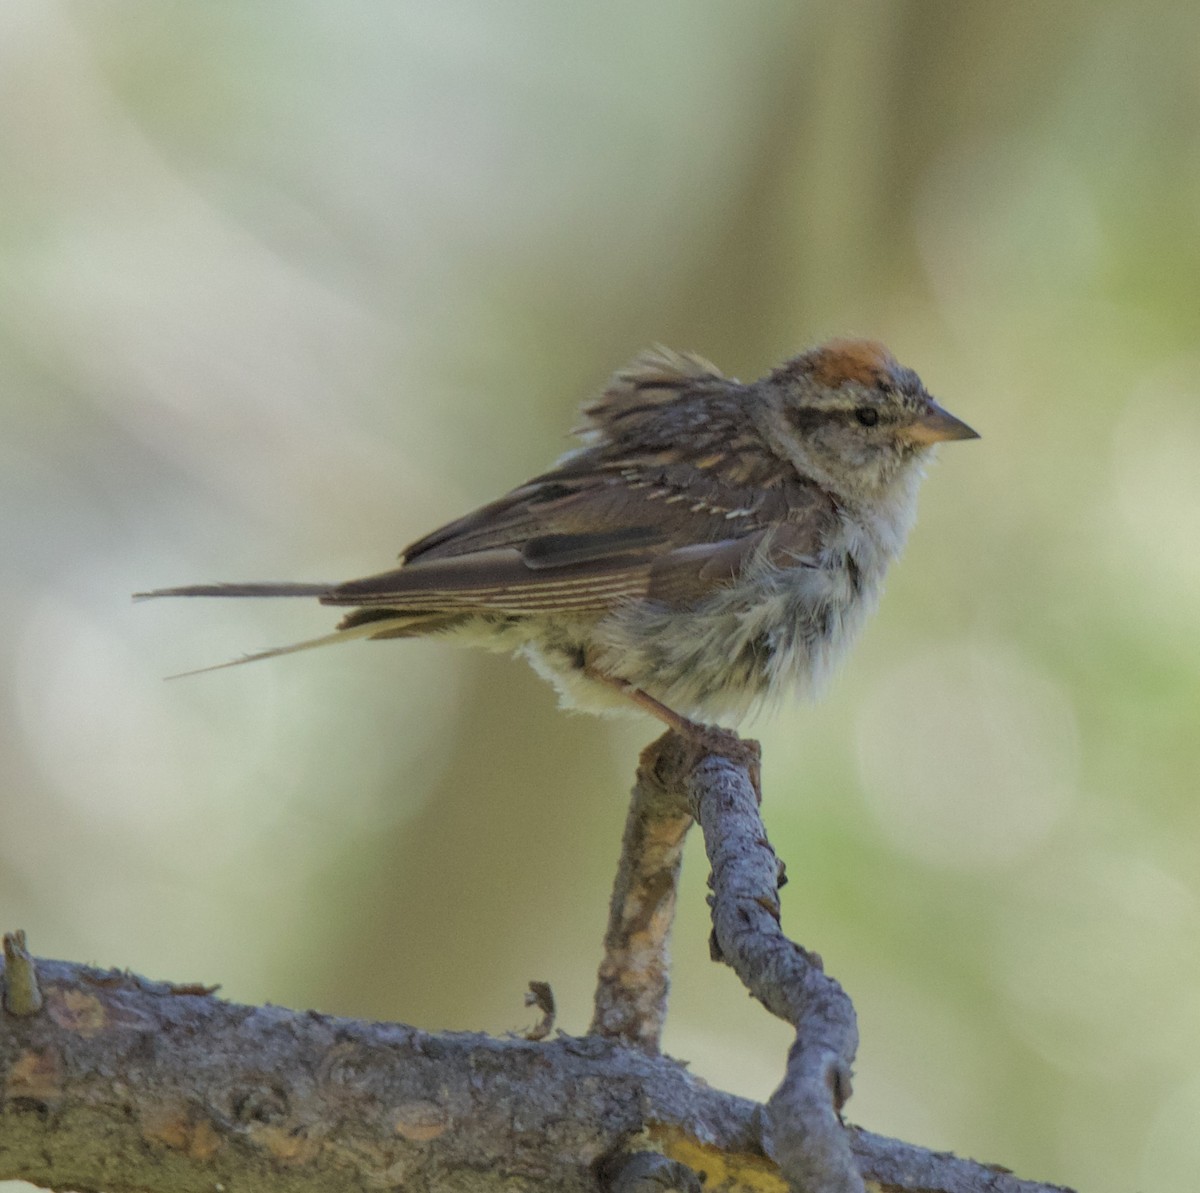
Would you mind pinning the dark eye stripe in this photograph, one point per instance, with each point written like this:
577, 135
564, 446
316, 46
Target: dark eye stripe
805, 419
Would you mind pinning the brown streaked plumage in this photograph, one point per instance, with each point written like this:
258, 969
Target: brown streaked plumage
709, 545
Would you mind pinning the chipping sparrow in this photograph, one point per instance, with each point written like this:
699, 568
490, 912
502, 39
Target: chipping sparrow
709, 546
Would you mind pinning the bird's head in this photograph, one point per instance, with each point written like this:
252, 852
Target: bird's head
848, 412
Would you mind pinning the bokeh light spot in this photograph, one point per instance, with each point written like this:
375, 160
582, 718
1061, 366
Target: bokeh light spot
968, 755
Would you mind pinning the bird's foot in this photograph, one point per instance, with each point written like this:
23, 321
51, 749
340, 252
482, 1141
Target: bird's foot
724, 743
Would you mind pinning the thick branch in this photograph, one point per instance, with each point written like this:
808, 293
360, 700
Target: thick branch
118, 1084
631, 995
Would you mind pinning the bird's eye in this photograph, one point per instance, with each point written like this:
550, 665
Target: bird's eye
867, 415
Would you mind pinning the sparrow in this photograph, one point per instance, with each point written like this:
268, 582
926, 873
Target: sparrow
708, 548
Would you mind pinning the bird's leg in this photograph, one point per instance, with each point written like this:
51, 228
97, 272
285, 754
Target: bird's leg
656, 708
710, 739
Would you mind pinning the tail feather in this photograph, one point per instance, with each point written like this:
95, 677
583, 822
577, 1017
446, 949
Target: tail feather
280, 589
368, 630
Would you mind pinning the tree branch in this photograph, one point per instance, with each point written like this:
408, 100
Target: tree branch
803, 1127
122, 1084
634, 979
119, 1084
114, 1083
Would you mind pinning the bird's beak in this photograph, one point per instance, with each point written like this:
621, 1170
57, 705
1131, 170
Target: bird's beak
936, 425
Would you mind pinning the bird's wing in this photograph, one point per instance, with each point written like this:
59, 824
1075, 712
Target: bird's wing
671, 532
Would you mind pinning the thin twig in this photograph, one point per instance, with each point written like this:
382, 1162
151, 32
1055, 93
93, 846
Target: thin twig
540, 995
634, 978
22, 995
803, 1129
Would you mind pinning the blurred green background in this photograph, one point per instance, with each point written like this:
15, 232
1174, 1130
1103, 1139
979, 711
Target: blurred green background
282, 286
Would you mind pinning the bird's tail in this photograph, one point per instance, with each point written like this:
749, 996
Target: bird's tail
275, 589
367, 629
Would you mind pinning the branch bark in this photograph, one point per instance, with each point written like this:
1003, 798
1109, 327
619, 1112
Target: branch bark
120, 1084
803, 1128
634, 977
113, 1083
